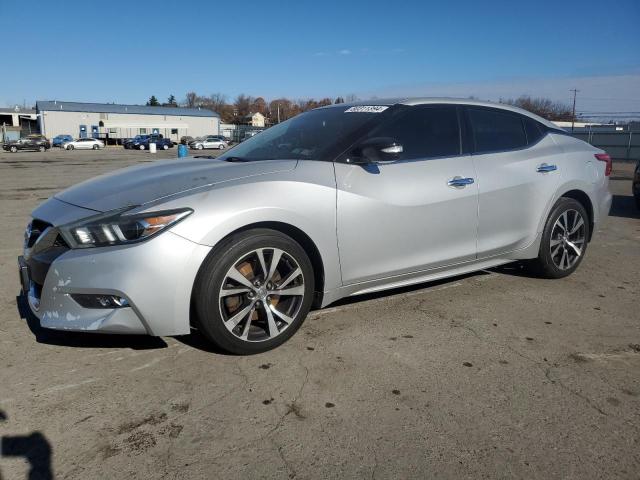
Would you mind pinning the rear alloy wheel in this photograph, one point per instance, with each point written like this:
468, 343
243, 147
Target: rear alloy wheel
564, 240
221, 147
70, 147
199, 146
95, 147
141, 147
254, 291
14, 149
165, 147
41, 148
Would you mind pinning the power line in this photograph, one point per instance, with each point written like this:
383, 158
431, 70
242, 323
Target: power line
573, 116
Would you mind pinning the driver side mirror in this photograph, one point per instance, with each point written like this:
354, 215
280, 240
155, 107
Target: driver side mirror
374, 150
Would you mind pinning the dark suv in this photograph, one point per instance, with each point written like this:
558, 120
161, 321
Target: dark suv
31, 142
141, 142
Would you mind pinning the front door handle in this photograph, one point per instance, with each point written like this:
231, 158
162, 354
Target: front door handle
460, 182
544, 168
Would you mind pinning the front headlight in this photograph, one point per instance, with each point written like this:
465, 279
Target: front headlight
119, 228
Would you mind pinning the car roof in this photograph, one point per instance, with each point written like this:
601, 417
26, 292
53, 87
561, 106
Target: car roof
412, 101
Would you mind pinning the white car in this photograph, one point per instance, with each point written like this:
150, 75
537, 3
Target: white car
210, 141
84, 143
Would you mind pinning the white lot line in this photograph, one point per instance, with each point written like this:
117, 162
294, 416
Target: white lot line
459, 283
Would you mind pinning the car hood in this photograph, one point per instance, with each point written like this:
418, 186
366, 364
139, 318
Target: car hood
144, 184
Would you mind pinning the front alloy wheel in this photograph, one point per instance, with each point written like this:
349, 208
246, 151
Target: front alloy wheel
254, 291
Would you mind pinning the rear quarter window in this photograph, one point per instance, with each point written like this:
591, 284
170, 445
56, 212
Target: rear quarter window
533, 129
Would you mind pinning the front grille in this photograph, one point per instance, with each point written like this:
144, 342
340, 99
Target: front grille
37, 228
47, 251
34, 230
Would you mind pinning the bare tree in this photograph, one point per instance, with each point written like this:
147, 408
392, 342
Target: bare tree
544, 107
191, 98
243, 105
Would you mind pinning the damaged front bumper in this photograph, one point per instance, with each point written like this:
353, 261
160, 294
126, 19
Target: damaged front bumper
153, 278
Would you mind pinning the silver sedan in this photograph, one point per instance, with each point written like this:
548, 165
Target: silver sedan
342, 200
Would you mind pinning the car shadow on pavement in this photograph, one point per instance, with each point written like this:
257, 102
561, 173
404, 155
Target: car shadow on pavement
84, 340
624, 206
34, 448
198, 341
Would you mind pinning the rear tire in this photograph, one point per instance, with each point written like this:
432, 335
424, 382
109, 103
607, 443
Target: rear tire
564, 240
70, 147
95, 147
141, 147
258, 330
41, 148
13, 149
165, 147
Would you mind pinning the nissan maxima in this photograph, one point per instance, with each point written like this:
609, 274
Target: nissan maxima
342, 200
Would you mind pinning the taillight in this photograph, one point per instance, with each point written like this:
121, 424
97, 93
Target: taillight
604, 157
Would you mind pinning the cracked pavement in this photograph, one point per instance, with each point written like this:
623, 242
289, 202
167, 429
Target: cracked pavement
495, 374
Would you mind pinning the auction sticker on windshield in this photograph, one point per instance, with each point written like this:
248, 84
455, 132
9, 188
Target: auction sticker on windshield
366, 109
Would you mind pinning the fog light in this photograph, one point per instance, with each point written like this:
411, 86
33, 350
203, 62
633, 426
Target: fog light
94, 300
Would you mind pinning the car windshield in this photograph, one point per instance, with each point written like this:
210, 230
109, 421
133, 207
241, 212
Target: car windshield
315, 135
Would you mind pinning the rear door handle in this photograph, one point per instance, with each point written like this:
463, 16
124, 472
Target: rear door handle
460, 182
544, 168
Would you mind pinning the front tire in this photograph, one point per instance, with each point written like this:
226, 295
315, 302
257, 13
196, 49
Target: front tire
14, 149
41, 148
253, 291
221, 147
95, 147
141, 147
165, 147
564, 240
70, 147
199, 147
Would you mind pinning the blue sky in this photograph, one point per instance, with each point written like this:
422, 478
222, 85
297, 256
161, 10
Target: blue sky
125, 51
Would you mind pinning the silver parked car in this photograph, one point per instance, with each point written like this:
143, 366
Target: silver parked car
342, 200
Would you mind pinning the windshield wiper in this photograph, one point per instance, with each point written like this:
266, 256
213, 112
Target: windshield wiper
237, 159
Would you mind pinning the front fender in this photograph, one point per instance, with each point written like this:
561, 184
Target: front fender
304, 198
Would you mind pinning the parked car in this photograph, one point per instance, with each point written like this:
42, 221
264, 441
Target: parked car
342, 200
636, 184
60, 140
84, 144
31, 142
141, 142
210, 141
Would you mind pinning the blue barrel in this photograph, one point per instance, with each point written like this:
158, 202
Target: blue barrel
183, 151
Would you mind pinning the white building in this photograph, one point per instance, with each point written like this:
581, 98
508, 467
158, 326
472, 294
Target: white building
255, 119
110, 121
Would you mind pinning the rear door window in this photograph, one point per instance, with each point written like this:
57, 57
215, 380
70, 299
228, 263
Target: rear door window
496, 131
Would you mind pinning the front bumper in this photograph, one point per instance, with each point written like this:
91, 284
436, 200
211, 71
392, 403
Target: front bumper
156, 277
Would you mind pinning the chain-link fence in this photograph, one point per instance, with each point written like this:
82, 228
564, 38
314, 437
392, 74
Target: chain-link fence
620, 145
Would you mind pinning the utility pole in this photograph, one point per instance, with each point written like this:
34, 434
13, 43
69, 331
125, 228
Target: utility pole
573, 115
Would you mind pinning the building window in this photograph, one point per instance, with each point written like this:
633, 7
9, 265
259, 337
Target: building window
113, 131
174, 131
143, 131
